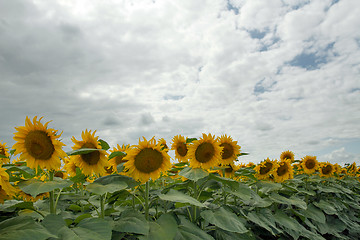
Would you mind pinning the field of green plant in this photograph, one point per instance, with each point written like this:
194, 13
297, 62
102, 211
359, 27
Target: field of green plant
138, 192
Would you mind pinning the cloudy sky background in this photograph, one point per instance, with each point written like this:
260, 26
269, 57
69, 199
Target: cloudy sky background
274, 75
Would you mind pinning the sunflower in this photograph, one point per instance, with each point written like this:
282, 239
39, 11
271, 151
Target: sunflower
250, 164
342, 173
229, 170
181, 148
230, 149
38, 145
287, 155
351, 169
70, 167
4, 151
283, 171
146, 160
162, 142
265, 169
205, 152
28, 198
93, 162
7, 191
309, 164
118, 159
326, 169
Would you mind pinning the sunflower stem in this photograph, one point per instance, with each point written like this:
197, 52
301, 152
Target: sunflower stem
194, 207
147, 200
102, 203
52, 205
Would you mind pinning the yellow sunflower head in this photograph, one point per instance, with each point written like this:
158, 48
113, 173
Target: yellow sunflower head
342, 173
265, 169
326, 169
162, 142
146, 160
205, 152
250, 164
283, 171
70, 167
230, 170
7, 191
118, 159
38, 145
309, 164
287, 155
93, 162
181, 148
4, 151
351, 169
230, 149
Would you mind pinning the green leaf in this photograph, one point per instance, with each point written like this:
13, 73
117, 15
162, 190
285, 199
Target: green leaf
117, 179
13, 205
224, 219
22, 169
164, 228
242, 191
289, 201
264, 219
23, 228
3, 156
83, 151
53, 223
34, 187
326, 207
189, 140
227, 181
104, 145
267, 187
101, 189
116, 154
189, 231
82, 217
193, 174
313, 213
176, 196
132, 222
93, 229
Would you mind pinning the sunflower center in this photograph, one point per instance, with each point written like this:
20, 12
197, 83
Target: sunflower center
204, 152
2, 151
229, 169
287, 156
310, 164
39, 145
59, 174
327, 169
265, 169
91, 158
228, 150
119, 159
108, 170
148, 160
282, 170
182, 149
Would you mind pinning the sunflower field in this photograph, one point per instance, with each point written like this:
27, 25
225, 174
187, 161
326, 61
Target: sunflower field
140, 192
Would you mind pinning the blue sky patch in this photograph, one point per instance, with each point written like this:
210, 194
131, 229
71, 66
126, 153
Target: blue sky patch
309, 61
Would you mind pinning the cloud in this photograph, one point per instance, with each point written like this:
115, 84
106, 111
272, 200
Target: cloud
341, 156
158, 68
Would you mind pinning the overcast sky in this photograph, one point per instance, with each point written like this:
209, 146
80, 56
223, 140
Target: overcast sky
275, 75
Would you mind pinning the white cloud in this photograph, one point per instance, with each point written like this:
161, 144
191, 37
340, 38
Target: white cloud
145, 68
341, 157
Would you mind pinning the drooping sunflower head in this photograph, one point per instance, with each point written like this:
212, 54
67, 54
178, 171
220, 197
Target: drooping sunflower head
115, 161
181, 148
38, 145
92, 162
283, 171
7, 191
309, 164
4, 152
162, 142
230, 149
205, 152
265, 169
287, 155
351, 169
326, 169
230, 170
146, 160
